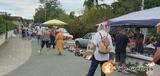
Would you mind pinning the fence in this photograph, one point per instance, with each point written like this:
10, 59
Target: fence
3, 37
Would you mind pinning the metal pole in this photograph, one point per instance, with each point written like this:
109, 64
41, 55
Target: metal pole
45, 10
142, 5
144, 30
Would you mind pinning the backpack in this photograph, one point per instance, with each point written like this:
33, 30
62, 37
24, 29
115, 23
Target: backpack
103, 44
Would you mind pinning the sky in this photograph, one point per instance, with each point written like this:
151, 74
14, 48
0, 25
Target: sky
26, 8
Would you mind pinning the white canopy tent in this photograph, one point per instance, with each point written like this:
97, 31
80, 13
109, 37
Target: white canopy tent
144, 18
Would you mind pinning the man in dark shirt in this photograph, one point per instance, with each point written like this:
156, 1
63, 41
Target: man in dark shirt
139, 42
156, 58
121, 41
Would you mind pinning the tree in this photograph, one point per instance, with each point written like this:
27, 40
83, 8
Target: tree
151, 3
96, 2
91, 3
122, 7
72, 14
49, 10
88, 4
5, 24
39, 15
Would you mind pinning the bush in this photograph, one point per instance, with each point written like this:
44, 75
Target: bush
5, 25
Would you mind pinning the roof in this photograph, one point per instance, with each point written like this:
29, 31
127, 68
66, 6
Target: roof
144, 18
15, 18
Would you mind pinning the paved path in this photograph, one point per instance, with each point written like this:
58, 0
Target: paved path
13, 53
53, 65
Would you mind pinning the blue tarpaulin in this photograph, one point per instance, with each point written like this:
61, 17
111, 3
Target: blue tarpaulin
144, 18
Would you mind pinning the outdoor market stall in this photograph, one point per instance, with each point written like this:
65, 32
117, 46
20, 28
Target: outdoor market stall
69, 43
140, 19
144, 18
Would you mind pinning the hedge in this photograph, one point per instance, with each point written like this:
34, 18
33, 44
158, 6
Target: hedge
5, 25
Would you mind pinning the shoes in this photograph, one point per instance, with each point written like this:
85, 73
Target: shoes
39, 51
124, 71
59, 54
119, 70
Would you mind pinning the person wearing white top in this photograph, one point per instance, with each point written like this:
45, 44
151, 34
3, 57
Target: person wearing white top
99, 58
39, 34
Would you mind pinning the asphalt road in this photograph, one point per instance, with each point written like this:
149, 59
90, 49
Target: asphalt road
54, 65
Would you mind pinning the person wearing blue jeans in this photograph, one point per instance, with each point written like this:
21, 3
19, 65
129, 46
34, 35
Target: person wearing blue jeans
29, 31
99, 58
94, 65
52, 40
139, 42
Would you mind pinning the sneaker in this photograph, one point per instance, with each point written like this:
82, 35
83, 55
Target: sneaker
119, 70
39, 51
114, 68
124, 71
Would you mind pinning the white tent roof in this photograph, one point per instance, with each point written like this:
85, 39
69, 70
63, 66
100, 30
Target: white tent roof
144, 18
153, 13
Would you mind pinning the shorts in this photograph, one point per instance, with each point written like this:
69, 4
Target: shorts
121, 57
45, 43
39, 37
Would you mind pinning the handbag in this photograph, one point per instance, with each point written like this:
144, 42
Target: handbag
87, 55
103, 45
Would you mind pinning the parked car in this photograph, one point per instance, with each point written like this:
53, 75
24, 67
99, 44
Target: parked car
66, 34
82, 42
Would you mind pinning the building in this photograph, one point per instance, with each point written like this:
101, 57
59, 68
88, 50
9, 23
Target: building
18, 21
5, 13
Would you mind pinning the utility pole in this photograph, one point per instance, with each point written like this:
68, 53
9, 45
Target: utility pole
142, 5
45, 10
144, 30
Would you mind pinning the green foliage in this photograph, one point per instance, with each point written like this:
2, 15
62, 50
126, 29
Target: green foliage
152, 30
151, 3
49, 10
125, 6
39, 15
93, 13
88, 4
5, 25
2, 25
87, 22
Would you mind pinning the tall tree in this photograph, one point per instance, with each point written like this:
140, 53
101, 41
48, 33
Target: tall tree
88, 4
39, 15
122, 7
96, 2
151, 3
50, 9
91, 3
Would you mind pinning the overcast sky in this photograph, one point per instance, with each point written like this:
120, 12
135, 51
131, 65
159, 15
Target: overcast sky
26, 8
